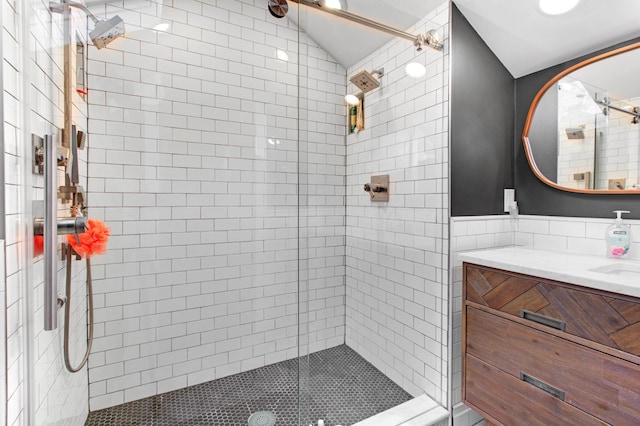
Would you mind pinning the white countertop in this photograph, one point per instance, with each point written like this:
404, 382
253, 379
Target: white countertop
565, 267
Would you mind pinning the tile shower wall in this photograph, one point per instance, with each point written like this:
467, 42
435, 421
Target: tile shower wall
3, 328
33, 81
397, 264
14, 218
194, 156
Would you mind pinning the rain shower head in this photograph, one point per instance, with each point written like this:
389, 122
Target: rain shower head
104, 32
107, 31
365, 81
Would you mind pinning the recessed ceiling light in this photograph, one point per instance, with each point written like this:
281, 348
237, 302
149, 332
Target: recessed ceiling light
415, 70
557, 7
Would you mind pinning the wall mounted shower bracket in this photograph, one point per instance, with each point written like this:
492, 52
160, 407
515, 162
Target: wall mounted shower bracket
64, 225
37, 146
430, 39
635, 111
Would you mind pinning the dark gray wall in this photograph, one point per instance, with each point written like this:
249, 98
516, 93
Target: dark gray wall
482, 124
536, 198
544, 128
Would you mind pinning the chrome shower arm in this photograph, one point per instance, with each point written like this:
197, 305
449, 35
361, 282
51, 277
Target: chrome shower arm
60, 7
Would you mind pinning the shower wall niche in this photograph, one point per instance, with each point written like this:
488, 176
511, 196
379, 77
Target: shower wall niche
212, 179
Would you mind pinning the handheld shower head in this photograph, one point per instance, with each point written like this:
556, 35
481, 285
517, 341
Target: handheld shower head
105, 32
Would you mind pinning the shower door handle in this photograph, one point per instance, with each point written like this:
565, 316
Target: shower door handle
50, 234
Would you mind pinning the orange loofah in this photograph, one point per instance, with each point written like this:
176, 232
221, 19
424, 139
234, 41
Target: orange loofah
38, 245
92, 241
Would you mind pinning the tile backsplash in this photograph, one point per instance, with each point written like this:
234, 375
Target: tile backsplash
571, 234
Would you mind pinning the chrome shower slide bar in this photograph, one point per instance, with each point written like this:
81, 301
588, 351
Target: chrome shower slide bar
50, 234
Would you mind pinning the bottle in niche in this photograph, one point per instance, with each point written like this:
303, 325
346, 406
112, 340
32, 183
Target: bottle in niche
353, 119
618, 237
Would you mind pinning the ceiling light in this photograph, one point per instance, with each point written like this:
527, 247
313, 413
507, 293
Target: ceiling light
557, 7
335, 4
415, 70
352, 99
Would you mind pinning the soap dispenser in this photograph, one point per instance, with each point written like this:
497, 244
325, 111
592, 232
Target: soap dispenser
618, 237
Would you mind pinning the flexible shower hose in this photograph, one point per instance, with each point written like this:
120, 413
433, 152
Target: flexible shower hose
67, 314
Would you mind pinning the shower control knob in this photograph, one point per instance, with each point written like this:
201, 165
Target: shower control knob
278, 8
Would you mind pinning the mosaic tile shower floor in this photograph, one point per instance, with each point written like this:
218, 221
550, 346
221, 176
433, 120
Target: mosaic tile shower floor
344, 390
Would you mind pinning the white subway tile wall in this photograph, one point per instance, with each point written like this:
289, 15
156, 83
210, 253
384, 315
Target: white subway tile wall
571, 234
470, 233
32, 66
15, 329
397, 263
4, 321
197, 152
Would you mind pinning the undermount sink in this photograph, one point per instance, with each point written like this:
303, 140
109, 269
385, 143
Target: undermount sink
621, 269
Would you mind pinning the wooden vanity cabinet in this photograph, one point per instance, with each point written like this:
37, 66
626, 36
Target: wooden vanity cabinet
540, 352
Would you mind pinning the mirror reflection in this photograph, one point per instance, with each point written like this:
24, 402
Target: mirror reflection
585, 132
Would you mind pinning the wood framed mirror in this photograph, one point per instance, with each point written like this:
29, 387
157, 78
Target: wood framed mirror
582, 131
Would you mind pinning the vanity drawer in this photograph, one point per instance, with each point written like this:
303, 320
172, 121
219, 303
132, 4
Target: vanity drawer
513, 402
608, 319
595, 382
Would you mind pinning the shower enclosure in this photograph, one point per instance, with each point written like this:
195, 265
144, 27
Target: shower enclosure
243, 249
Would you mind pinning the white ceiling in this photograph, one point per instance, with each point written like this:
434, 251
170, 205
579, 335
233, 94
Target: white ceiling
348, 42
523, 38
526, 40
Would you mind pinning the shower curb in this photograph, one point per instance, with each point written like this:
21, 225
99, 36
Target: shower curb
420, 411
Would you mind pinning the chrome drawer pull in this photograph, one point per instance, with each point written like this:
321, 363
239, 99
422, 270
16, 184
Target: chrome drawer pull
542, 385
544, 320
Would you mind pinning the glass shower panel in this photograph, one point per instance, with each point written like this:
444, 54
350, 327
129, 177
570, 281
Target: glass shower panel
373, 280
248, 274
194, 139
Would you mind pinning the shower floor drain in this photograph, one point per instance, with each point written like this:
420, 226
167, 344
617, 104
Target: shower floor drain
262, 418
